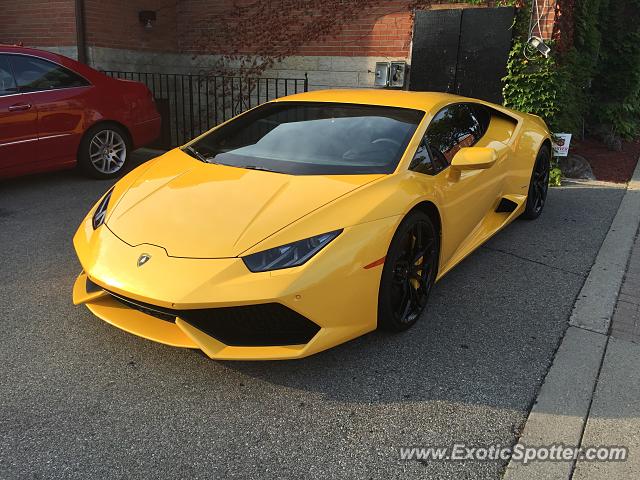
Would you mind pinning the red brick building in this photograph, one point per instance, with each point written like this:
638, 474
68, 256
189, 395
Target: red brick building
109, 35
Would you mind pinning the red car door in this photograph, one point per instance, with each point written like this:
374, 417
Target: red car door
60, 97
18, 122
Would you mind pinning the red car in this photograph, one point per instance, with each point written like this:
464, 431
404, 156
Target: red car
56, 113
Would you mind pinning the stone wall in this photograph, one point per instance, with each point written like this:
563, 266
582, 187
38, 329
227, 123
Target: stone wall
323, 71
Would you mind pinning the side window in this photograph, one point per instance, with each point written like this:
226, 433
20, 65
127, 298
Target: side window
422, 162
7, 82
482, 115
35, 74
453, 128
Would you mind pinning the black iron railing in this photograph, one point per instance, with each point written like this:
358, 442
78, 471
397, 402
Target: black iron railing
192, 104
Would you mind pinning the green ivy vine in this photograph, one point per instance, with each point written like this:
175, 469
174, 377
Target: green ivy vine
594, 85
555, 174
532, 85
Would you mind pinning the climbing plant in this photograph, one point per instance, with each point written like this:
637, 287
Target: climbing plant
591, 82
534, 83
616, 84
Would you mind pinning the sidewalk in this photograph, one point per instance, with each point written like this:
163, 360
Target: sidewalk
614, 417
625, 324
591, 394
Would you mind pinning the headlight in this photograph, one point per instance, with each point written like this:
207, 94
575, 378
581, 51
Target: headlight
290, 255
100, 214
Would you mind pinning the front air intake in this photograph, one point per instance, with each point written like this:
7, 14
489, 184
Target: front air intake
263, 325
268, 324
165, 314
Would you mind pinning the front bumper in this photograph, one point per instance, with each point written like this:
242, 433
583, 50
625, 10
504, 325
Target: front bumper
332, 297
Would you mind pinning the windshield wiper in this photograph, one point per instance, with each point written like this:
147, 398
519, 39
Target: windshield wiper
257, 167
196, 154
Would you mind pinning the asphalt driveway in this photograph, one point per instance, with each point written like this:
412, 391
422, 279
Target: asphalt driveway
82, 399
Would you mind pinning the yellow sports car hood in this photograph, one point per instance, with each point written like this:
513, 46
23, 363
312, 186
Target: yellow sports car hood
199, 210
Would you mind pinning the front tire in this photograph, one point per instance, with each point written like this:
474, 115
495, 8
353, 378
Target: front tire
409, 272
538, 186
103, 151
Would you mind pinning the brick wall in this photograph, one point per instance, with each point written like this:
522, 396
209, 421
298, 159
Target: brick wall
38, 22
115, 24
381, 30
384, 29
117, 41
545, 10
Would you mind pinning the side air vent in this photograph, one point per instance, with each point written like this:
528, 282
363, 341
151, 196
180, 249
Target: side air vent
506, 206
92, 287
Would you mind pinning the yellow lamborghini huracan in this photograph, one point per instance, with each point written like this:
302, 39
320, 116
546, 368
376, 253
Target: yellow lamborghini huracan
308, 221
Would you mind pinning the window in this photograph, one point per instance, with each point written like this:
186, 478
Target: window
35, 74
454, 127
422, 162
308, 138
7, 82
482, 115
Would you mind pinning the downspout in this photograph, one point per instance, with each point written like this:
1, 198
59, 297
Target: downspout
81, 41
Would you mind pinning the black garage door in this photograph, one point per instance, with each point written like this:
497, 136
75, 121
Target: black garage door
462, 51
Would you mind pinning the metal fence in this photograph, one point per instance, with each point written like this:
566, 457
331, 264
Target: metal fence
192, 104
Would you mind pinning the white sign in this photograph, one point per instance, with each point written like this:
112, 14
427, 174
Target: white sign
561, 142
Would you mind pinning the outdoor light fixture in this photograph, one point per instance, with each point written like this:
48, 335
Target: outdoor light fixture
147, 17
538, 44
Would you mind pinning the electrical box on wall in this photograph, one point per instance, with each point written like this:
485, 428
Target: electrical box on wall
397, 74
382, 74
390, 74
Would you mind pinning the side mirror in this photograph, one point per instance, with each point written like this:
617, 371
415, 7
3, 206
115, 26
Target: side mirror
474, 158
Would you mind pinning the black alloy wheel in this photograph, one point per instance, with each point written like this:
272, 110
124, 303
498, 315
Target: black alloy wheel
409, 273
539, 186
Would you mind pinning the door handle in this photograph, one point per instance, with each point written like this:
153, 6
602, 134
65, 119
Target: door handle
19, 107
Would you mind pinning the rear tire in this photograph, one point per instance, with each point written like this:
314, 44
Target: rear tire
103, 151
538, 186
409, 272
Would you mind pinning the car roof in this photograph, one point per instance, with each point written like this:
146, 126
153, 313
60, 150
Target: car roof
27, 51
425, 101
89, 73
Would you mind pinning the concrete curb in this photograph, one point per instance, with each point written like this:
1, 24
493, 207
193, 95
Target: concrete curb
577, 182
597, 299
561, 409
562, 405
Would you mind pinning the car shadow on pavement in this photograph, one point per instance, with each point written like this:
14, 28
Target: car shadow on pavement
74, 176
491, 327
482, 340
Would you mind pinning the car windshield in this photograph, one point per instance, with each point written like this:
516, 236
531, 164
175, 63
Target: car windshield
304, 138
